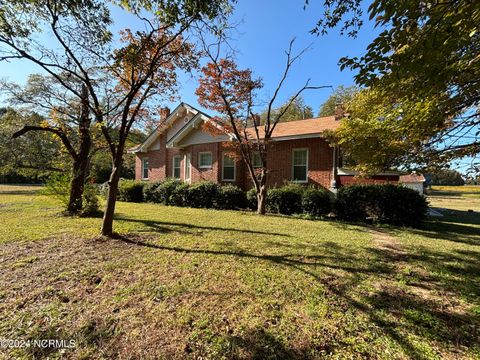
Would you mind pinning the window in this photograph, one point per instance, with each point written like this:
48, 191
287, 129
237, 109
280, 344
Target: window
176, 166
300, 165
228, 168
256, 160
187, 167
144, 168
205, 160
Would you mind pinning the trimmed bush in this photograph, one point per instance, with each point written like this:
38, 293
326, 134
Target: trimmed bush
230, 197
90, 204
179, 195
130, 190
316, 201
390, 204
164, 191
285, 200
252, 202
149, 191
398, 205
202, 194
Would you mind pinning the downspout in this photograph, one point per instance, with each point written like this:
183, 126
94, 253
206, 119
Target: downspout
333, 183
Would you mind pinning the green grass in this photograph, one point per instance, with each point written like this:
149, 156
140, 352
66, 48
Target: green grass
190, 283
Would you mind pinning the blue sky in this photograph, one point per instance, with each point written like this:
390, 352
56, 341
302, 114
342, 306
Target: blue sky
263, 34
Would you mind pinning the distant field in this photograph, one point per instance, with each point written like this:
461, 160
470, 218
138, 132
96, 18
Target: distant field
204, 284
455, 197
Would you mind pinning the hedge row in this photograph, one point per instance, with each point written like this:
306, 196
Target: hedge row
389, 204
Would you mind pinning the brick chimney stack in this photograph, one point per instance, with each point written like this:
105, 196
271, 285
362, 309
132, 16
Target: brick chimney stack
339, 111
164, 114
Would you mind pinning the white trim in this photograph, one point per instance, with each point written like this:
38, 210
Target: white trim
306, 166
234, 168
143, 168
187, 161
179, 166
211, 160
296, 137
344, 171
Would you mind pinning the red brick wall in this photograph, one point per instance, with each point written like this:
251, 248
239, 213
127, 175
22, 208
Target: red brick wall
280, 158
320, 157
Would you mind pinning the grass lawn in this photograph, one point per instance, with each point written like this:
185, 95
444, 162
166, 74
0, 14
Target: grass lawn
190, 283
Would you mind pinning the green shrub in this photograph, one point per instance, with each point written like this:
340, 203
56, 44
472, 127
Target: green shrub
202, 194
90, 204
58, 186
252, 202
285, 200
179, 195
165, 189
398, 205
316, 201
130, 190
230, 197
390, 204
149, 192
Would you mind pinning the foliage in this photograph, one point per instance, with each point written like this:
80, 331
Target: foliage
389, 204
341, 95
164, 191
285, 200
230, 197
149, 191
90, 206
252, 199
316, 201
179, 195
296, 110
202, 194
382, 132
428, 50
31, 157
130, 190
58, 186
446, 177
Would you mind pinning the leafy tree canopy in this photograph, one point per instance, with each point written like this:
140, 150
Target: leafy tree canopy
341, 94
297, 110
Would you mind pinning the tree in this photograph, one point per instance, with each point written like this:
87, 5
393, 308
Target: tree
79, 30
296, 111
426, 49
382, 132
233, 93
341, 95
123, 82
64, 117
446, 177
34, 155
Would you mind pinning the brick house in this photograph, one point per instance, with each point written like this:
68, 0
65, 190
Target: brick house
182, 148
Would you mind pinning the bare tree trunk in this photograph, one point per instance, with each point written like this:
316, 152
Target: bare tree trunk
82, 159
80, 173
107, 223
261, 199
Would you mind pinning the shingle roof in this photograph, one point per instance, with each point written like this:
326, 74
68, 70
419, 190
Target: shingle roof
301, 127
412, 178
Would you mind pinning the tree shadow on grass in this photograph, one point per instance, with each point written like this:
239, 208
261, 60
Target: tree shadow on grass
397, 313
164, 226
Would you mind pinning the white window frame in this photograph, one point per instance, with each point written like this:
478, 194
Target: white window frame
188, 165
200, 166
224, 154
179, 167
144, 161
306, 166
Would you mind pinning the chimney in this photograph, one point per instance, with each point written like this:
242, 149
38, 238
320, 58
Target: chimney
339, 111
164, 113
